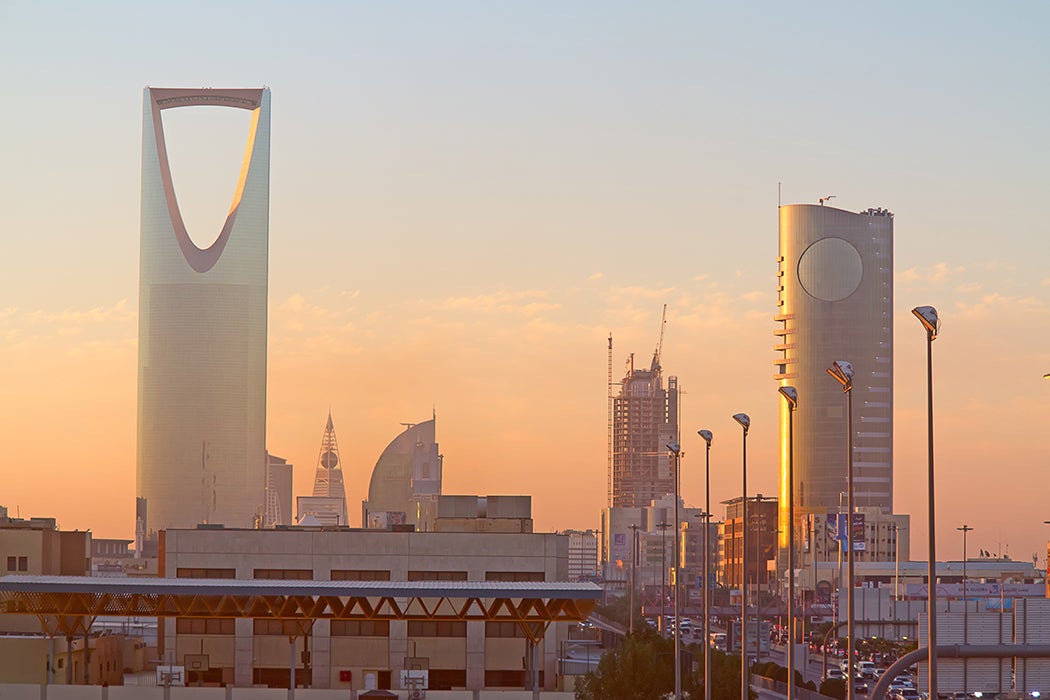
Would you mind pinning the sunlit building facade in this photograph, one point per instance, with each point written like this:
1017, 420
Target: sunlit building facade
835, 302
202, 333
406, 480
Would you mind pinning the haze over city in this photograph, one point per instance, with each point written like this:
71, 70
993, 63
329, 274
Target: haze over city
466, 199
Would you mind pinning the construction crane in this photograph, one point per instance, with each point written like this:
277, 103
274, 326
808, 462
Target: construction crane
660, 345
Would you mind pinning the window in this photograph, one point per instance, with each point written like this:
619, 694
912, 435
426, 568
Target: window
284, 574
278, 628
437, 575
504, 630
23, 563
205, 573
204, 625
513, 575
363, 575
434, 628
12, 564
360, 628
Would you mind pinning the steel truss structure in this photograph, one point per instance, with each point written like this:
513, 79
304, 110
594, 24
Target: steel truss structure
68, 605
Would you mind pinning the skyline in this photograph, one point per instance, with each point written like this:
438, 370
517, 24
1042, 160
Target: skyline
467, 200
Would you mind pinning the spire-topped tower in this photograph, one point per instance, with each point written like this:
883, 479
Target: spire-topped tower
328, 503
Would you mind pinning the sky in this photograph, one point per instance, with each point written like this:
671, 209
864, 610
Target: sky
467, 198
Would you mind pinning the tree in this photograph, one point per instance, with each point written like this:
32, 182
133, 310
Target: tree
833, 687
641, 668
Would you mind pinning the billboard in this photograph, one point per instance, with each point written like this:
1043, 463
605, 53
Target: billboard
837, 530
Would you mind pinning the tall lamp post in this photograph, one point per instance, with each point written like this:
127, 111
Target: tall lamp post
663, 525
676, 450
634, 556
842, 372
790, 395
759, 522
966, 612
708, 436
745, 422
931, 322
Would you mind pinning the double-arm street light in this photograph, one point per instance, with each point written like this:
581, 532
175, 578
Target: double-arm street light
745, 422
842, 372
927, 316
676, 450
708, 436
790, 395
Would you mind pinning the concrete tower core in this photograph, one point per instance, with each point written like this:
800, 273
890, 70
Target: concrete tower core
202, 333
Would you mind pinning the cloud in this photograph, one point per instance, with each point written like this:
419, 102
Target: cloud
118, 312
596, 276
526, 303
940, 272
618, 294
995, 303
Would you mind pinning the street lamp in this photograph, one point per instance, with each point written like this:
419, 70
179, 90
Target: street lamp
745, 422
758, 521
927, 316
676, 450
790, 395
966, 637
634, 556
708, 436
663, 576
842, 372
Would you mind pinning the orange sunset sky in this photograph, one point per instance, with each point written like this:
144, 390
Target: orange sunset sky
467, 198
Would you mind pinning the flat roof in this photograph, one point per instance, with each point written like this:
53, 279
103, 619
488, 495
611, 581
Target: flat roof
275, 587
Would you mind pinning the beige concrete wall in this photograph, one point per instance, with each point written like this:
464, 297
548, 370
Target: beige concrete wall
23, 660
397, 552
219, 648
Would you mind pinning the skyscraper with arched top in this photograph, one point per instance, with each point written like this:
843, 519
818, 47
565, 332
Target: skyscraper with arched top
202, 332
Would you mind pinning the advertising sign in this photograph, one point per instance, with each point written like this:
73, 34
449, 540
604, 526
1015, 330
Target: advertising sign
837, 530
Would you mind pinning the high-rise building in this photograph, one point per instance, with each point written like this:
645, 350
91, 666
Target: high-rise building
835, 302
328, 502
202, 333
644, 421
406, 480
278, 492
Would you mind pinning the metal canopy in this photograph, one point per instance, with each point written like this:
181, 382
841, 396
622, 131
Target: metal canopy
62, 602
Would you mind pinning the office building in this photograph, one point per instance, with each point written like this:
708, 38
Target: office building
328, 502
835, 302
202, 333
278, 491
406, 480
734, 564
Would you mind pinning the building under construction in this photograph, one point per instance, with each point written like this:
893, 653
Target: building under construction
643, 419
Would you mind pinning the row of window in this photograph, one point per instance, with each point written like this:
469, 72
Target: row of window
18, 563
348, 628
340, 574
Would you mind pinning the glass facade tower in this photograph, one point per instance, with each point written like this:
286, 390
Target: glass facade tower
202, 333
835, 302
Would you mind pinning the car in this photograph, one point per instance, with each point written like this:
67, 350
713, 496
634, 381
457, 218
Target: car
834, 674
866, 669
860, 685
905, 693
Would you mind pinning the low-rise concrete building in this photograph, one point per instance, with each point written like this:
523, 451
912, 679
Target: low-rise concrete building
357, 653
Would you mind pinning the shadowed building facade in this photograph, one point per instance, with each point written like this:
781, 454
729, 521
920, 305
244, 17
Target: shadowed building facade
835, 302
202, 333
